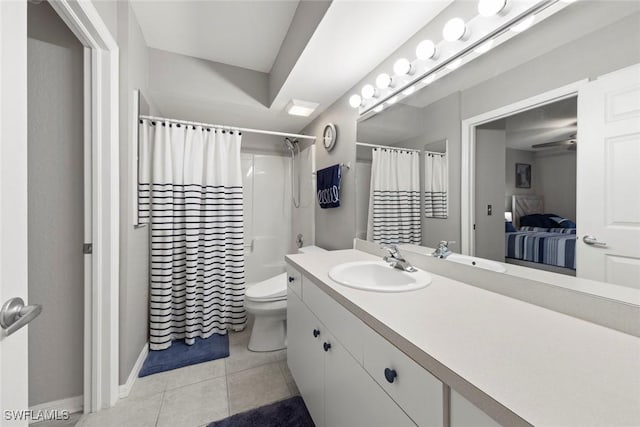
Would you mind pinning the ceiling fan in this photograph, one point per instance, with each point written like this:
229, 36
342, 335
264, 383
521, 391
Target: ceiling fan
571, 143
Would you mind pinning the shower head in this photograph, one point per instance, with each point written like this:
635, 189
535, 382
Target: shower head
291, 143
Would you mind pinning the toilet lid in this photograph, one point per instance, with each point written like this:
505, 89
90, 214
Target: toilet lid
271, 289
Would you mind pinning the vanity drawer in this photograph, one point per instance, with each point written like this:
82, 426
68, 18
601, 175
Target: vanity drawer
344, 326
294, 280
412, 387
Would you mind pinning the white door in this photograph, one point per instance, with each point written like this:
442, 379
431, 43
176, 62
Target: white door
608, 187
13, 203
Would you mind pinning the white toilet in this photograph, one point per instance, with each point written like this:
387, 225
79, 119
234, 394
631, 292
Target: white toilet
267, 301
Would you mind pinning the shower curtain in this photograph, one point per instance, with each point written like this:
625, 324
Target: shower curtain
190, 192
435, 183
394, 203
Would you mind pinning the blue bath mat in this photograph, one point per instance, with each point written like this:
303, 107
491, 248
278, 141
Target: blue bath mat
290, 412
180, 354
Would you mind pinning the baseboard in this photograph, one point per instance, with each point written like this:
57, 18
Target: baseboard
71, 404
125, 388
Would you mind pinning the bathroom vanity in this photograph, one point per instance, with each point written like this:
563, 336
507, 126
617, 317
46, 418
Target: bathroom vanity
449, 354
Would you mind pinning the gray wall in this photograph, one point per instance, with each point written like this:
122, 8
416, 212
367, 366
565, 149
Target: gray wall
583, 35
557, 182
520, 156
490, 189
134, 246
336, 228
56, 206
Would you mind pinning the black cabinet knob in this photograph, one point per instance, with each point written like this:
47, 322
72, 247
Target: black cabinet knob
390, 374
326, 346
291, 279
316, 332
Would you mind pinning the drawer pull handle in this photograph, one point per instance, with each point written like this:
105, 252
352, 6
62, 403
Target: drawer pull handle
390, 374
291, 279
326, 346
316, 332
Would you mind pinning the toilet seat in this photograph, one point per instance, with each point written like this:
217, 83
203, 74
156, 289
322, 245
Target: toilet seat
273, 289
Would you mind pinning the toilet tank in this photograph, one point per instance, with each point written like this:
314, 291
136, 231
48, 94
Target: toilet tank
310, 249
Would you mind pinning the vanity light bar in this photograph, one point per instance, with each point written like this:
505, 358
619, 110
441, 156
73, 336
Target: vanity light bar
491, 27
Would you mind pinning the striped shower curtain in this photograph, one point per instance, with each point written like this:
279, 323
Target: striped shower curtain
190, 192
435, 185
394, 202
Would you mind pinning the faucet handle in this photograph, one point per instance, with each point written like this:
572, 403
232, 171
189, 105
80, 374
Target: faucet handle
393, 249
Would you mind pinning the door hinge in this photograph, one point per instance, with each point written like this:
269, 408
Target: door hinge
474, 226
87, 248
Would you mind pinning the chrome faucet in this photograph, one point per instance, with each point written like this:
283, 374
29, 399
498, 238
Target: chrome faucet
396, 260
442, 251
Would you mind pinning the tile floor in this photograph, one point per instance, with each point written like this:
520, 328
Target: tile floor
197, 395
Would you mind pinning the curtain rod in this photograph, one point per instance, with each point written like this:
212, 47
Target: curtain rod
265, 132
435, 152
386, 147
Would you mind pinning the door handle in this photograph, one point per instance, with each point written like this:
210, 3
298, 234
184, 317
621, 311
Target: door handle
14, 314
592, 241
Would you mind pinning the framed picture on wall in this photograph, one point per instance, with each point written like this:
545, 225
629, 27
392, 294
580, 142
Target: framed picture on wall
523, 175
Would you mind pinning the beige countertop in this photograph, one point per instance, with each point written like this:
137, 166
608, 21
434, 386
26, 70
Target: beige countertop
519, 362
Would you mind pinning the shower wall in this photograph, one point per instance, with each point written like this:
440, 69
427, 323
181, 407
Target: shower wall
267, 214
304, 215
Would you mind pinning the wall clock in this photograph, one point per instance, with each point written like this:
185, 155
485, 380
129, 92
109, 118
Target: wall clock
329, 136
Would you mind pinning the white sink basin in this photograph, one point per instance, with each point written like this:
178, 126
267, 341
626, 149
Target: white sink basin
378, 276
485, 264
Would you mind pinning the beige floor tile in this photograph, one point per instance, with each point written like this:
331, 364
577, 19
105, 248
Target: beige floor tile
149, 385
134, 412
242, 358
195, 373
255, 387
195, 404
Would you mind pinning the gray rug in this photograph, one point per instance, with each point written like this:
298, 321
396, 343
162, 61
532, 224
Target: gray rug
291, 412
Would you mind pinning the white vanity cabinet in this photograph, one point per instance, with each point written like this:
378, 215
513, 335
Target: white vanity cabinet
466, 414
331, 373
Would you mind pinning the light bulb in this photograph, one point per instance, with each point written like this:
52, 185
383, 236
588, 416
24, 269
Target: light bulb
408, 91
454, 30
378, 108
383, 81
368, 91
524, 24
355, 101
484, 47
426, 49
488, 8
392, 100
454, 64
402, 67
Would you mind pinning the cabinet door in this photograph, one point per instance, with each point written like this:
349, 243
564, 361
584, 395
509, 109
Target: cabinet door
352, 398
305, 356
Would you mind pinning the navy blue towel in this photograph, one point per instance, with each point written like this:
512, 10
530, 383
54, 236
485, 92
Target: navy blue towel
328, 186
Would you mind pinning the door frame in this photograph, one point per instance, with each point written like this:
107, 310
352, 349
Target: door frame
468, 149
101, 83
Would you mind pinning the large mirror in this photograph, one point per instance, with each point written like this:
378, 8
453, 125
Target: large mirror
507, 127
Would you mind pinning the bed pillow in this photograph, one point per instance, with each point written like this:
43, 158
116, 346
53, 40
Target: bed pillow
562, 222
530, 228
508, 227
537, 220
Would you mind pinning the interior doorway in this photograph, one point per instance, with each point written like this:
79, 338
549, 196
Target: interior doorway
56, 191
525, 187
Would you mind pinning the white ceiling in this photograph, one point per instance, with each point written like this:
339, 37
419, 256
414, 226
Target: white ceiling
351, 39
246, 34
549, 123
